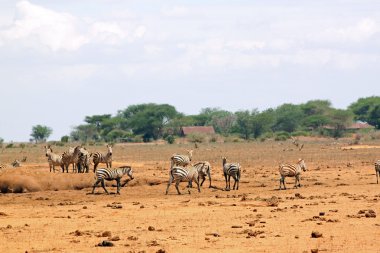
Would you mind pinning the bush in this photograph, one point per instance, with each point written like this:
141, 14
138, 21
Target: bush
196, 137
300, 133
281, 136
65, 139
10, 145
22, 145
170, 139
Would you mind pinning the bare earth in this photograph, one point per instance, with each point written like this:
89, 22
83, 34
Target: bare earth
56, 213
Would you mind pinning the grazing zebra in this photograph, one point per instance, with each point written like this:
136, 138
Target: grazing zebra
16, 163
53, 159
71, 157
84, 162
111, 174
204, 169
103, 158
231, 170
181, 160
290, 170
377, 169
179, 174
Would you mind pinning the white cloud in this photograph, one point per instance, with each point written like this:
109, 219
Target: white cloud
175, 11
63, 31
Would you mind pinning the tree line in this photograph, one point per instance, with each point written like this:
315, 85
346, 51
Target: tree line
147, 122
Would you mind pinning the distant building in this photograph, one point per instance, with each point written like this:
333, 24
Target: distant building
197, 129
354, 126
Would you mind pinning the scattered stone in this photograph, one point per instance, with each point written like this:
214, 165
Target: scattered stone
132, 238
213, 234
273, 201
161, 251
152, 243
151, 228
78, 233
142, 206
314, 250
299, 196
106, 234
115, 238
316, 234
84, 207
235, 226
321, 213
3, 214
106, 244
9, 226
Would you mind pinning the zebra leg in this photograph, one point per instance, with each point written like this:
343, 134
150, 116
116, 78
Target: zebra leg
229, 182
203, 179
110, 164
225, 177
95, 165
176, 186
118, 185
96, 183
296, 180
198, 184
169, 183
209, 177
104, 186
377, 176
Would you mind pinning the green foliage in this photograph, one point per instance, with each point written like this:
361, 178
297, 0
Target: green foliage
22, 145
40, 133
85, 133
288, 117
9, 145
300, 133
170, 139
196, 137
281, 136
340, 119
368, 110
1, 142
65, 139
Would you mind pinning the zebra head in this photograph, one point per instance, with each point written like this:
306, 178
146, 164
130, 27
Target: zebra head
224, 160
302, 164
109, 149
127, 170
48, 150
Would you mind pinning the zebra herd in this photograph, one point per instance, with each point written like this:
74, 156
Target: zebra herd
181, 169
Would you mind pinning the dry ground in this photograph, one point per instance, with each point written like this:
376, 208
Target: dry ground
56, 213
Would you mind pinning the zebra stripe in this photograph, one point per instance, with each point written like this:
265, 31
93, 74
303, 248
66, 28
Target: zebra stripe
84, 162
71, 157
377, 170
231, 170
53, 159
103, 158
181, 160
290, 170
110, 174
178, 174
204, 169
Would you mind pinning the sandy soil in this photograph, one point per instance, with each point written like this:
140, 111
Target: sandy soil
56, 213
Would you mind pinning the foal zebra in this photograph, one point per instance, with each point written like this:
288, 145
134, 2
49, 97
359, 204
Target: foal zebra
103, 158
181, 160
231, 170
377, 170
204, 169
178, 174
53, 159
110, 174
290, 170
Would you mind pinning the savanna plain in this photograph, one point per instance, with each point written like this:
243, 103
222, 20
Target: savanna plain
336, 209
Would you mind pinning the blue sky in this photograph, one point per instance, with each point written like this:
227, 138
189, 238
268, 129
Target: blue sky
64, 60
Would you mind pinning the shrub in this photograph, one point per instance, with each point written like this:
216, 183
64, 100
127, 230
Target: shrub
300, 133
22, 145
170, 139
65, 139
196, 137
10, 145
281, 136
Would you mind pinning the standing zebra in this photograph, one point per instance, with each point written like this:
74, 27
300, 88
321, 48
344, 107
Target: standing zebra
179, 174
290, 170
103, 158
71, 157
377, 170
84, 162
110, 174
231, 170
204, 169
53, 159
181, 160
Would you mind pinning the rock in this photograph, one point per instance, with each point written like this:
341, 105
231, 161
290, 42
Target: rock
161, 251
321, 213
115, 238
235, 226
316, 234
132, 238
106, 234
105, 244
314, 250
151, 228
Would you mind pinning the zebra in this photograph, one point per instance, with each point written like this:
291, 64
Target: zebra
377, 170
53, 159
181, 160
231, 170
290, 170
71, 157
204, 169
179, 174
110, 174
84, 162
103, 158
16, 163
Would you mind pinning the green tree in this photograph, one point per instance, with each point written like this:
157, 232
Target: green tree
367, 109
340, 119
149, 119
262, 122
40, 133
84, 133
288, 118
244, 123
